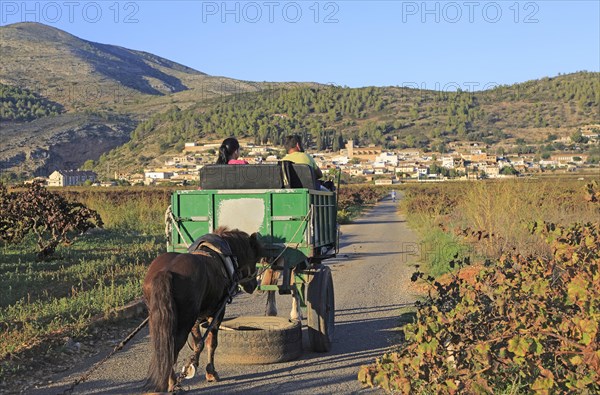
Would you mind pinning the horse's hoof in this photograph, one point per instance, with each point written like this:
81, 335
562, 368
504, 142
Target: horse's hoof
188, 372
211, 378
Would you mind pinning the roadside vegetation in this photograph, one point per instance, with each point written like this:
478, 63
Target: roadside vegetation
97, 272
353, 199
525, 318
484, 220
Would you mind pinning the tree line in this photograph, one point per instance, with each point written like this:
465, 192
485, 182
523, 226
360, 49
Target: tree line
19, 104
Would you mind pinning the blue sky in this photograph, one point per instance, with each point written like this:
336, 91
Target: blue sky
435, 45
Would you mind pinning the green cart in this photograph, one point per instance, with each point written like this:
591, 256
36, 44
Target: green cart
297, 222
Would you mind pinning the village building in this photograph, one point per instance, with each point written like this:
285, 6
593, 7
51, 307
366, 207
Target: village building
448, 162
422, 171
355, 171
565, 158
491, 171
384, 181
184, 160
406, 168
340, 160
409, 154
136, 178
66, 178
387, 158
153, 177
364, 153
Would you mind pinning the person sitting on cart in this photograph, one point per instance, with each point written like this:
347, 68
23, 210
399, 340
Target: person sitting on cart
296, 154
229, 152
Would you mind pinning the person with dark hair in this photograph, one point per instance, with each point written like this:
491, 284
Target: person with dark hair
296, 154
229, 152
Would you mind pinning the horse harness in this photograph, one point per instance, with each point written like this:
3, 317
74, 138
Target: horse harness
216, 245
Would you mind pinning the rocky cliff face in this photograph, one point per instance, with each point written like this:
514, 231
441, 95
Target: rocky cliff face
60, 142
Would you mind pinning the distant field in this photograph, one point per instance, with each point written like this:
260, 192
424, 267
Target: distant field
485, 219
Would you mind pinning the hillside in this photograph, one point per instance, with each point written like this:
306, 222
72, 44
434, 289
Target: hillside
81, 74
530, 114
72, 71
45, 72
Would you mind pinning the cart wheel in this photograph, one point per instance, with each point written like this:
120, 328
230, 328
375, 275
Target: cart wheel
252, 340
320, 304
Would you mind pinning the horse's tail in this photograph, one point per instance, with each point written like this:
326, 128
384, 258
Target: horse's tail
163, 319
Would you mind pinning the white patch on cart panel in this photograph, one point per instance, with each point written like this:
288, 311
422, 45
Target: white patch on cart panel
246, 214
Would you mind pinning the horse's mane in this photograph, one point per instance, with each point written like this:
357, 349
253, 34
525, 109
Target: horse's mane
239, 240
224, 231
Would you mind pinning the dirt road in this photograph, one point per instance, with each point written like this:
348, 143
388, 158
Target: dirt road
371, 277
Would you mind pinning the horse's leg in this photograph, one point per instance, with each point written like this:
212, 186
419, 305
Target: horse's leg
181, 336
271, 277
212, 342
198, 343
271, 309
295, 313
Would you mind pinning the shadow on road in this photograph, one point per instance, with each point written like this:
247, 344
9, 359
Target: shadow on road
352, 256
358, 310
357, 339
368, 222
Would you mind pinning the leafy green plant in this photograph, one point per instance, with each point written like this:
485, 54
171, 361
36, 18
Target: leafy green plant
527, 323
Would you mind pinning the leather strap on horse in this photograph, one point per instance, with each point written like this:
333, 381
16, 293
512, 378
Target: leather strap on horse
219, 246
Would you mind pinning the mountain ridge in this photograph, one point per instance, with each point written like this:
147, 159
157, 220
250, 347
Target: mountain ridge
83, 62
86, 78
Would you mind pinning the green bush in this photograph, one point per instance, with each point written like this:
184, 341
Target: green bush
439, 250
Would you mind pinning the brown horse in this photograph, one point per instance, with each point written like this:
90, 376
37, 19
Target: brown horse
181, 289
